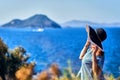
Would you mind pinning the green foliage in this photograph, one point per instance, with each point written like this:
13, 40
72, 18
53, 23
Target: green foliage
11, 60
110, 77
68, 74
3, 48
3, 51
15, 59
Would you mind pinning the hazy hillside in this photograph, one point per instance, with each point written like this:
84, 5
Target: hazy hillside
78, 23
36, 21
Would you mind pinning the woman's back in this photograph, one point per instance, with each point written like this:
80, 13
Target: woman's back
86, 67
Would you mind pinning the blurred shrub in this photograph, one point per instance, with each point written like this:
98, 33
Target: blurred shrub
25, 72
3, 52
12, 60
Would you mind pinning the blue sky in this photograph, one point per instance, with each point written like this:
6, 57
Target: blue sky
61, 10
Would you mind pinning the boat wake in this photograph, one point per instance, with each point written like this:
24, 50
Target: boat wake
38, 30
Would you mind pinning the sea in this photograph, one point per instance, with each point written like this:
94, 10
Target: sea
60, 46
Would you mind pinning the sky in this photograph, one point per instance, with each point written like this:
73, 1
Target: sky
101, 11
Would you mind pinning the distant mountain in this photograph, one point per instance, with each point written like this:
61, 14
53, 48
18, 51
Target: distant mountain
78, 23
36, 21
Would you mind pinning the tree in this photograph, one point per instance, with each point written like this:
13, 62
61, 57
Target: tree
15, 59
3, 51
12, 60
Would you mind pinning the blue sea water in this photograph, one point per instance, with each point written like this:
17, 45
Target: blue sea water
60, 45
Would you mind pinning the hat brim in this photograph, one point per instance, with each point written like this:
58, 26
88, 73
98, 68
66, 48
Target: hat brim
92, 35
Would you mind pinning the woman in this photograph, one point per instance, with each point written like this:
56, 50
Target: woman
92, 55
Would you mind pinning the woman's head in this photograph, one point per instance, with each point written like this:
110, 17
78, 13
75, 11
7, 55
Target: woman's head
96, 36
